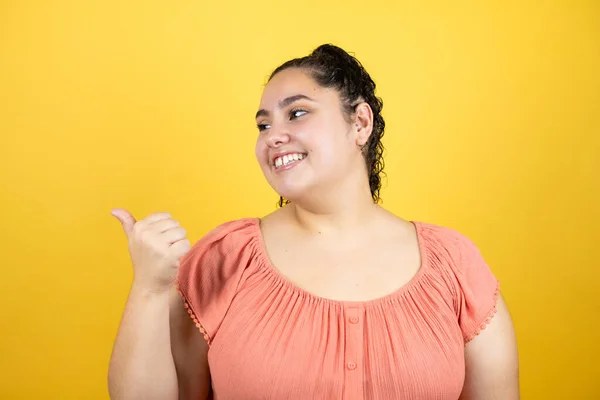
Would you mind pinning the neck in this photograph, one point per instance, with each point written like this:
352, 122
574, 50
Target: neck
339, 210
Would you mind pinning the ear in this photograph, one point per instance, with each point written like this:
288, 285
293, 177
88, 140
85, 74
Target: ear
363, 123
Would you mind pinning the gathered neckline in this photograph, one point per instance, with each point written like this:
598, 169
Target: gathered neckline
291, 286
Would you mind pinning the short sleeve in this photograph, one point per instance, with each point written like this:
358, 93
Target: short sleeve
478, 289
211, 272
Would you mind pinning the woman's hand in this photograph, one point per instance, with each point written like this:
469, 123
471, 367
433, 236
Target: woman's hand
156, 246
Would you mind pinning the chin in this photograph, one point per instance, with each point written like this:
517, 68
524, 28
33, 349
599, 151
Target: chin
290, 194
291, 187
292, 190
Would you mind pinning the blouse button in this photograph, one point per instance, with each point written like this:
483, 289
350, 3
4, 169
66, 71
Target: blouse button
351, 365
353, 320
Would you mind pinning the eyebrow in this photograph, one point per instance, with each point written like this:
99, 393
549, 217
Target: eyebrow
284, 103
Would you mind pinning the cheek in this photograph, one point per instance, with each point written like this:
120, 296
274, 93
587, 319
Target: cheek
261, 151
314, 134
257, 147
325, 139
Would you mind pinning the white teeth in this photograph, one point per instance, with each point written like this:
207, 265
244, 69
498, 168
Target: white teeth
287, 159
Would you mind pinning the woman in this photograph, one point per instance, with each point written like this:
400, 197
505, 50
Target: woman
330, 296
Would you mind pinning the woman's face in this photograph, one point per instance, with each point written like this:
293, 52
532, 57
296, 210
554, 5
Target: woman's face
304, 144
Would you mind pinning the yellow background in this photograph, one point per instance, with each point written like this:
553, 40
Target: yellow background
493, 125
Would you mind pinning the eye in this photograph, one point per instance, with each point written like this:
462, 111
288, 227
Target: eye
297, 113
262, 127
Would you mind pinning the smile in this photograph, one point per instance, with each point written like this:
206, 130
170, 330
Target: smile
288, 160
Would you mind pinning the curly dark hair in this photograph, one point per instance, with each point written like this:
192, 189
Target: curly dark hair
332, 67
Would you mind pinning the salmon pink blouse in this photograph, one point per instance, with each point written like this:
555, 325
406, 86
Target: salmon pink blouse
269, 339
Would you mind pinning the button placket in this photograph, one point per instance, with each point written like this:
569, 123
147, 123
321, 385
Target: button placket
353, 357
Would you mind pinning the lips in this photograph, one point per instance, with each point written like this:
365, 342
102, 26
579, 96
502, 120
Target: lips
284, 161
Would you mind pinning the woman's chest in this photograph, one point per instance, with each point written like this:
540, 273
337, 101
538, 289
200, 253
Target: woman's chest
343, 272
287, 347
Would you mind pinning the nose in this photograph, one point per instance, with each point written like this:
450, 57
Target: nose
277, 136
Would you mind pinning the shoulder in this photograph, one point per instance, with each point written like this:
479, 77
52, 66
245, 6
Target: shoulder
455, 255
235, 233
236, 227
211, 273
448, 243
219, 258
222, 247
473, 286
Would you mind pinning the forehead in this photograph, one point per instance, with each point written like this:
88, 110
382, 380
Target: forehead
290, 82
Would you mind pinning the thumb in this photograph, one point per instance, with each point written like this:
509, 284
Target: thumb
125, 218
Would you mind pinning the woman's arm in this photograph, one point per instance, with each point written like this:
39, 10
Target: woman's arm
492, 365
190, 352
159, 353
141, 365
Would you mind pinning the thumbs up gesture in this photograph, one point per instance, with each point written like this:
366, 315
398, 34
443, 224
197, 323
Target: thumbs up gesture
156, 246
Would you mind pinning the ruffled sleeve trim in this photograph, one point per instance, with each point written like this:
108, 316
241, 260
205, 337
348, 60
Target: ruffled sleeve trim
488, 318
192, 315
